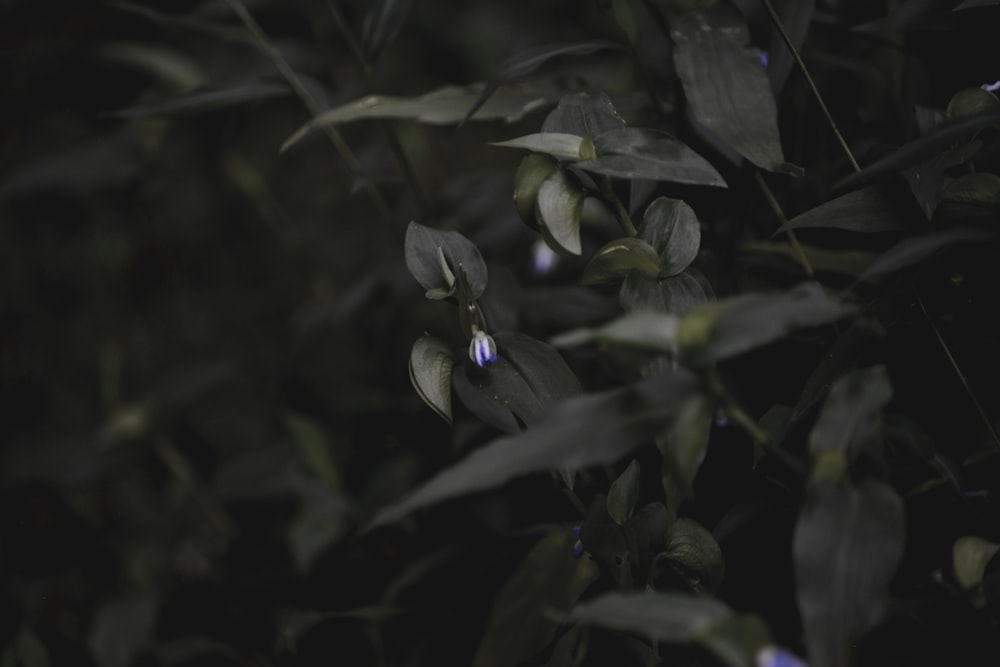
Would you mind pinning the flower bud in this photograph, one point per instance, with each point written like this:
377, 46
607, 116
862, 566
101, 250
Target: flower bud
482, 349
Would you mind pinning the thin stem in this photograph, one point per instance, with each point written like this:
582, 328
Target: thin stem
958, 372
312, 106
776, 207
611, 199
812, 84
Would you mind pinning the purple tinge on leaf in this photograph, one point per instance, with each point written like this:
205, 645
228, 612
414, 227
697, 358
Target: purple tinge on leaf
775, 656
482, 349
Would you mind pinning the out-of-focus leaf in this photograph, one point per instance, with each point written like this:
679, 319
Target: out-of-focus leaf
848, 542
738, 641
564, 146
682, 448
795, 15
382, 24
616, 259
431, 365
624, 493
978, 190
666, 617
186, 22
180, 72
548, 579
645, 330
914, 250
206, 100
324, 518
625, 18
570, 649
122, 629
970, 556
972, 4
851, 420
631, 152
672, 228
694, 555
580, 431
424, 249
527, 61
27, 650
314, 449
559, 210
736, 325
584, 115
867, 210
938, 139
727, 89
677, 295
783, 256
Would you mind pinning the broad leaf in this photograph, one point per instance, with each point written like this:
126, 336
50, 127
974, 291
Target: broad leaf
531, 173
631, 152
914, 250
970, 556
619, 257
676, 295
431, 365
867, 210
848, 542
694, 555
666, 617
672, 228
682, 448
726, 88
584, 115
743, 639
624, 493
579, 432
432, 255
548, 579
559, 210
564, 146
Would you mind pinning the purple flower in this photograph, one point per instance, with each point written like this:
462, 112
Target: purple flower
991, 87
578, 545
482, 349
775, 656
763, 58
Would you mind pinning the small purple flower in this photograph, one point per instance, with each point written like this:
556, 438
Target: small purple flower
543, 258
775, 656
482, 349
764, 58
991, 87
578, 545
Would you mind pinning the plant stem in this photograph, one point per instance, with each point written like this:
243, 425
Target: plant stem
776, 207
609, 197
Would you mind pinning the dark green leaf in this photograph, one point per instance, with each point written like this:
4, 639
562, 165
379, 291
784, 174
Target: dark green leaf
616, 259
548, 579
666, 617
323, 519
737, 641
424, 250
431, 365
584, 115
631, 152
482, 404
206, 100
672, 228
795, 15
726, 87
314, 447
384, 20
625, 18
971, 101
570, 649
848, 542
682, 448
969, 556
867, 210
559, 209
677, 295
645, 330
187, 22
694, 555
531, 173
914, 250
580, 431
624, 493
980, 190
564, 146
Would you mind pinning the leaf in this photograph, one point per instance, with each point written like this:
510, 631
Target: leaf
520, 624
384, 20
559, 210
625, 18
969, 556
914, 250
122, 629
667, 617
313, 447
851, 419
676, 295
564, 146
980, 190
619, 257
795, 15
624, 493
584, 115
683, 447
223, 32
726, 88
323, 519
739, 324
580, 431
867, 210
848, 542
739, 640
531, 173
695, 556
973, 4
644, 330
206, 100
529, 60
431, 365
425, 248
631, 152
671, 227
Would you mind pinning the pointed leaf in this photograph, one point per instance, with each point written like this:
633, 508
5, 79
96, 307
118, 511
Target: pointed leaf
726, 88
914, 250
645, 330
560, 207
431, 364
425, 248
624, 493
683, 447
584, 115
667, 617
867, 210
563, 146
615, 260
969, 556
631, 152
580, 431
848, 542
548, 579
672, 228
851, 420
677, 295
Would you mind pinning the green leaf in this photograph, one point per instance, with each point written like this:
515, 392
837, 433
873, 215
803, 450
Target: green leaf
631, 152
559, 209
970, 555
644, 330
682, 448
570, 649
694, 555
666, 617
624, 493
384, 20
867, 210
914, 250
314, 448
726, 87
672, 228
548, 579
851, 420
564, 146
676, 295
578, 432
625, 18
425, 248
739, 324
619, 257
431, 364
531, 173
737, 641
584, 115
848, 542
980, 190
206, 100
